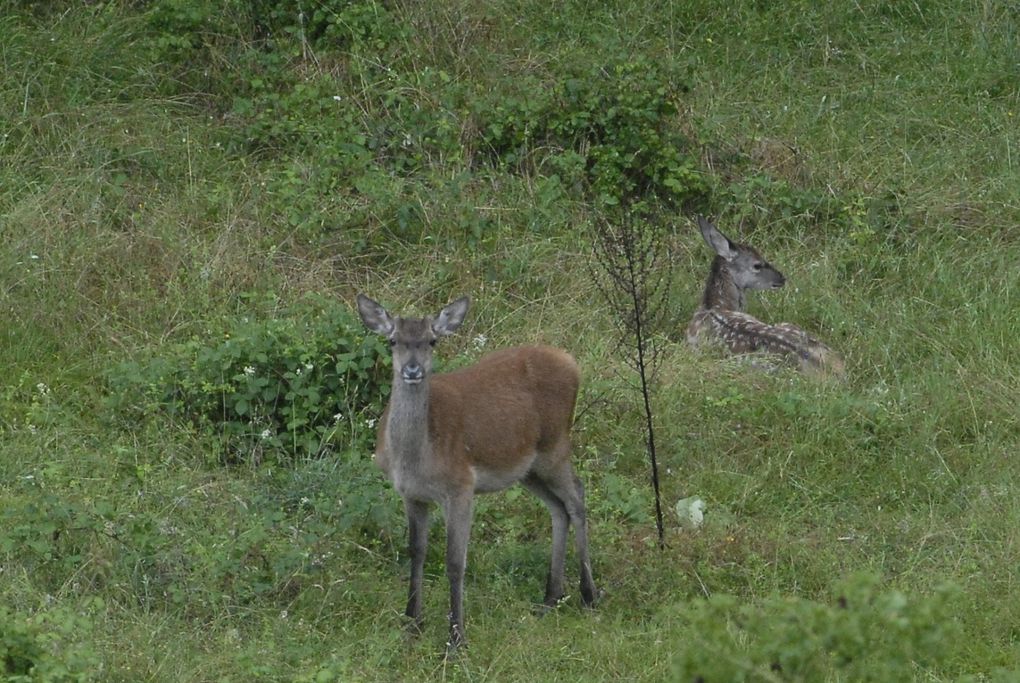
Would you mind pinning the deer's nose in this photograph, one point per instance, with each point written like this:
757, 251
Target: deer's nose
412, 373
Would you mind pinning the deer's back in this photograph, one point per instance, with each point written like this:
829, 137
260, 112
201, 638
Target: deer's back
511, 402
741, 333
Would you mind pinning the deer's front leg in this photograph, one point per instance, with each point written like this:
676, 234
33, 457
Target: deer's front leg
418, 537
458, 510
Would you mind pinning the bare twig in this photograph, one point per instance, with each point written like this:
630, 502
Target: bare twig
629, 272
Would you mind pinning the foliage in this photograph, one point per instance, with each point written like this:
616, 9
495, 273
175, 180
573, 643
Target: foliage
302, 384
619, 497
44, 648
761, 197
286, 535
612, 128
866, 635
331, 24
51, 532
182, 29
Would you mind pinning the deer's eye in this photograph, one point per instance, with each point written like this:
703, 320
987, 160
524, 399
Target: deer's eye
756, 267
393, 342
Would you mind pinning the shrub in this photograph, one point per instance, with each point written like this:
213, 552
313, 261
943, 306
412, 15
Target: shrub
302, 384
611, 128
866, 635
182, 28
337, 24
39, 648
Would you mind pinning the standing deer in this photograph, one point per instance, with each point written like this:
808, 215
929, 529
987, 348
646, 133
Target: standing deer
443, 438
721, 317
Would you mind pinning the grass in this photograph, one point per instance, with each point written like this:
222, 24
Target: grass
869, 151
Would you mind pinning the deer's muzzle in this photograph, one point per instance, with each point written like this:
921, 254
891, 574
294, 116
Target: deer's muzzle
412, 373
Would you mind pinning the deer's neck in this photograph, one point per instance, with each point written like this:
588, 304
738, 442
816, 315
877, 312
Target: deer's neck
407, 433
721, 292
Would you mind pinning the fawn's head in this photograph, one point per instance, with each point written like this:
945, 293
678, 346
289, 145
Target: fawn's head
745, 265
412, 339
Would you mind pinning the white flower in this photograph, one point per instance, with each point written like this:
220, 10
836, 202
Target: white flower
249, 370
338, 417
266, 433
480, 341
42, 388
370, 422
338, 98
309, 367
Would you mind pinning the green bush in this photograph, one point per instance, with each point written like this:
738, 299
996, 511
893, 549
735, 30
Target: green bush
336, 24
180, 28
39, 648
610, 128
865, 635
305, 383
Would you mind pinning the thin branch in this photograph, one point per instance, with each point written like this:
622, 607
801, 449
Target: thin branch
627, 269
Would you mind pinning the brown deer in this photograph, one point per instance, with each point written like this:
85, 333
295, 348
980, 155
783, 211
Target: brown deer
445, 437
721, 318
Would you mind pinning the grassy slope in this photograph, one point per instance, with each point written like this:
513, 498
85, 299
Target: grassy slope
126, 222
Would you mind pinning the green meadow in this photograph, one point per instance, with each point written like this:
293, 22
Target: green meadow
192, 194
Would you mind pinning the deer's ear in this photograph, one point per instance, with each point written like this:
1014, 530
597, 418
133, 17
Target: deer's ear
450, 318
374, 316
715, 239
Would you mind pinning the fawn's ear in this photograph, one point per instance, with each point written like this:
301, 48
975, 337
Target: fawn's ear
719, 242
450, 318
374, 316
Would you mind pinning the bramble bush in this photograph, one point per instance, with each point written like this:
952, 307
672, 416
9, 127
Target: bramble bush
302, 384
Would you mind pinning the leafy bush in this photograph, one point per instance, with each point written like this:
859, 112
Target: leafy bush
40, 648
613, 129
302, 384
328, 23
866, 635
179, 28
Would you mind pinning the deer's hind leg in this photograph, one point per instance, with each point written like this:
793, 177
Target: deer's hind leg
560, 524
573, 500
563, 493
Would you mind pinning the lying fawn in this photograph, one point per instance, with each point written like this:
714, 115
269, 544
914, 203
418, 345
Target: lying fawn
721, 317
445, 437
